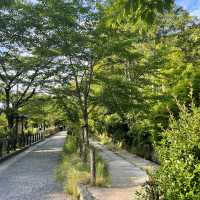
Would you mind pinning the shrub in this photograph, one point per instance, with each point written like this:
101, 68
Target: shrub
178, 177
70, 146
104, 139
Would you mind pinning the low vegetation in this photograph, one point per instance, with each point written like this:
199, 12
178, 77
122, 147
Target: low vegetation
178, 176
71, 170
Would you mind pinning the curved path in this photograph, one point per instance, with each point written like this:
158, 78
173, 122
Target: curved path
30, 175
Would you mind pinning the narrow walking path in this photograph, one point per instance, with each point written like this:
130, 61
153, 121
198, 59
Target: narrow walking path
127, 173
30, 175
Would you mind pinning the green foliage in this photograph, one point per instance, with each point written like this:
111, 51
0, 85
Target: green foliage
31, 130
70, 146
3, 126
120, 11
102, 176
103, 68
72, 171
178, 177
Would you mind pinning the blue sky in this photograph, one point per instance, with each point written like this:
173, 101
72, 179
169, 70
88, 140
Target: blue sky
193, 6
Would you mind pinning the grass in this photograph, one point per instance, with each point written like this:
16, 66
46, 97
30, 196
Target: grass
107, 141
102, 176
71, 171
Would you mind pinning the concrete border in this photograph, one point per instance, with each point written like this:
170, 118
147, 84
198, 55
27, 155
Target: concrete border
85, 194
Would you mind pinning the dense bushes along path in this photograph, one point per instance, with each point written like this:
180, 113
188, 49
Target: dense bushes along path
30, 175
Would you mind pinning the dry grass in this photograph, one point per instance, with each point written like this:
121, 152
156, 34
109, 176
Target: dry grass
71, 171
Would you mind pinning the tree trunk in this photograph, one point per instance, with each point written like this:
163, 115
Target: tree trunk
85, 127
9, 115
85, 136
92, 166
10, 120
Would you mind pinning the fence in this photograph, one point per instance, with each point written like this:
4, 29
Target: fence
10, 145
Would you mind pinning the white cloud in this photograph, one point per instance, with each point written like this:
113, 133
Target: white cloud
193, 6
195, 12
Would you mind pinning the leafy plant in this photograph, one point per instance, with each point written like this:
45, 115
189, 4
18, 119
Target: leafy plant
178, 176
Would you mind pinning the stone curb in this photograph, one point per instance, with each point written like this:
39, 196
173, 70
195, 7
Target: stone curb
154, 165
85, 194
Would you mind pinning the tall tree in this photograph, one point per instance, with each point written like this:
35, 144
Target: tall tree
21, 69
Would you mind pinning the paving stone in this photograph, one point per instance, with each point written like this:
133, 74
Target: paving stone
122, 172
127, 173
30, 176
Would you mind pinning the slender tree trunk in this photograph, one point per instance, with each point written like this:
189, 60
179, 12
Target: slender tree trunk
10, 120
85, 120
85, 135
92, 166
86, 128
9, 114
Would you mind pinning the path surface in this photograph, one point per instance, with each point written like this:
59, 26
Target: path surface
30, 175
127, 172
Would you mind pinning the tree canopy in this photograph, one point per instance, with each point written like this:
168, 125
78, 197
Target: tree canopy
120, 68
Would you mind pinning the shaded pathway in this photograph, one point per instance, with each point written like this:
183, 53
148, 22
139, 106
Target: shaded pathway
127, 174
30, 175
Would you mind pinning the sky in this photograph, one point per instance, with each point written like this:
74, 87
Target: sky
193, 6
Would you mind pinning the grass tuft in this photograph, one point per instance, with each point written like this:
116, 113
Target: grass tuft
71, 171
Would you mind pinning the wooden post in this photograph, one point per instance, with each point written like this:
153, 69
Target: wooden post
84, 152
1, 148
92, 166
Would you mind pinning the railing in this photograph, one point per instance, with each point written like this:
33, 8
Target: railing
10, 145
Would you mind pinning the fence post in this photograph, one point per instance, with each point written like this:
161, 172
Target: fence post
27, 140
31, 139
23, 140
92, 165
1, 148
8, 145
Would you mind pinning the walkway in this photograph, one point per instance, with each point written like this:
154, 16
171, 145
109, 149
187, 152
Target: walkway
127, 173
30, 175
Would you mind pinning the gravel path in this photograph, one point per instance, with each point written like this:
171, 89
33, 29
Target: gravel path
30, 175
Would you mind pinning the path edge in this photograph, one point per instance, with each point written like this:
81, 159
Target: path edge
85, 194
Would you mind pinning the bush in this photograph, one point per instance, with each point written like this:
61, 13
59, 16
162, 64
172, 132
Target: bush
70, 146
104, 139
179, 152
3, 126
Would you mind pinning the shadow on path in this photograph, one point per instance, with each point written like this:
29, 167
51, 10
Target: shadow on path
30, 176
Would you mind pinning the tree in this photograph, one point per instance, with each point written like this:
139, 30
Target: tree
22, 69
135, 11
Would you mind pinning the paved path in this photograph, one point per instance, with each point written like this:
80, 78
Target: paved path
30, 175
127, 173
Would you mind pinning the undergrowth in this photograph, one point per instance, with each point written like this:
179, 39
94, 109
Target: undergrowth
71, 170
